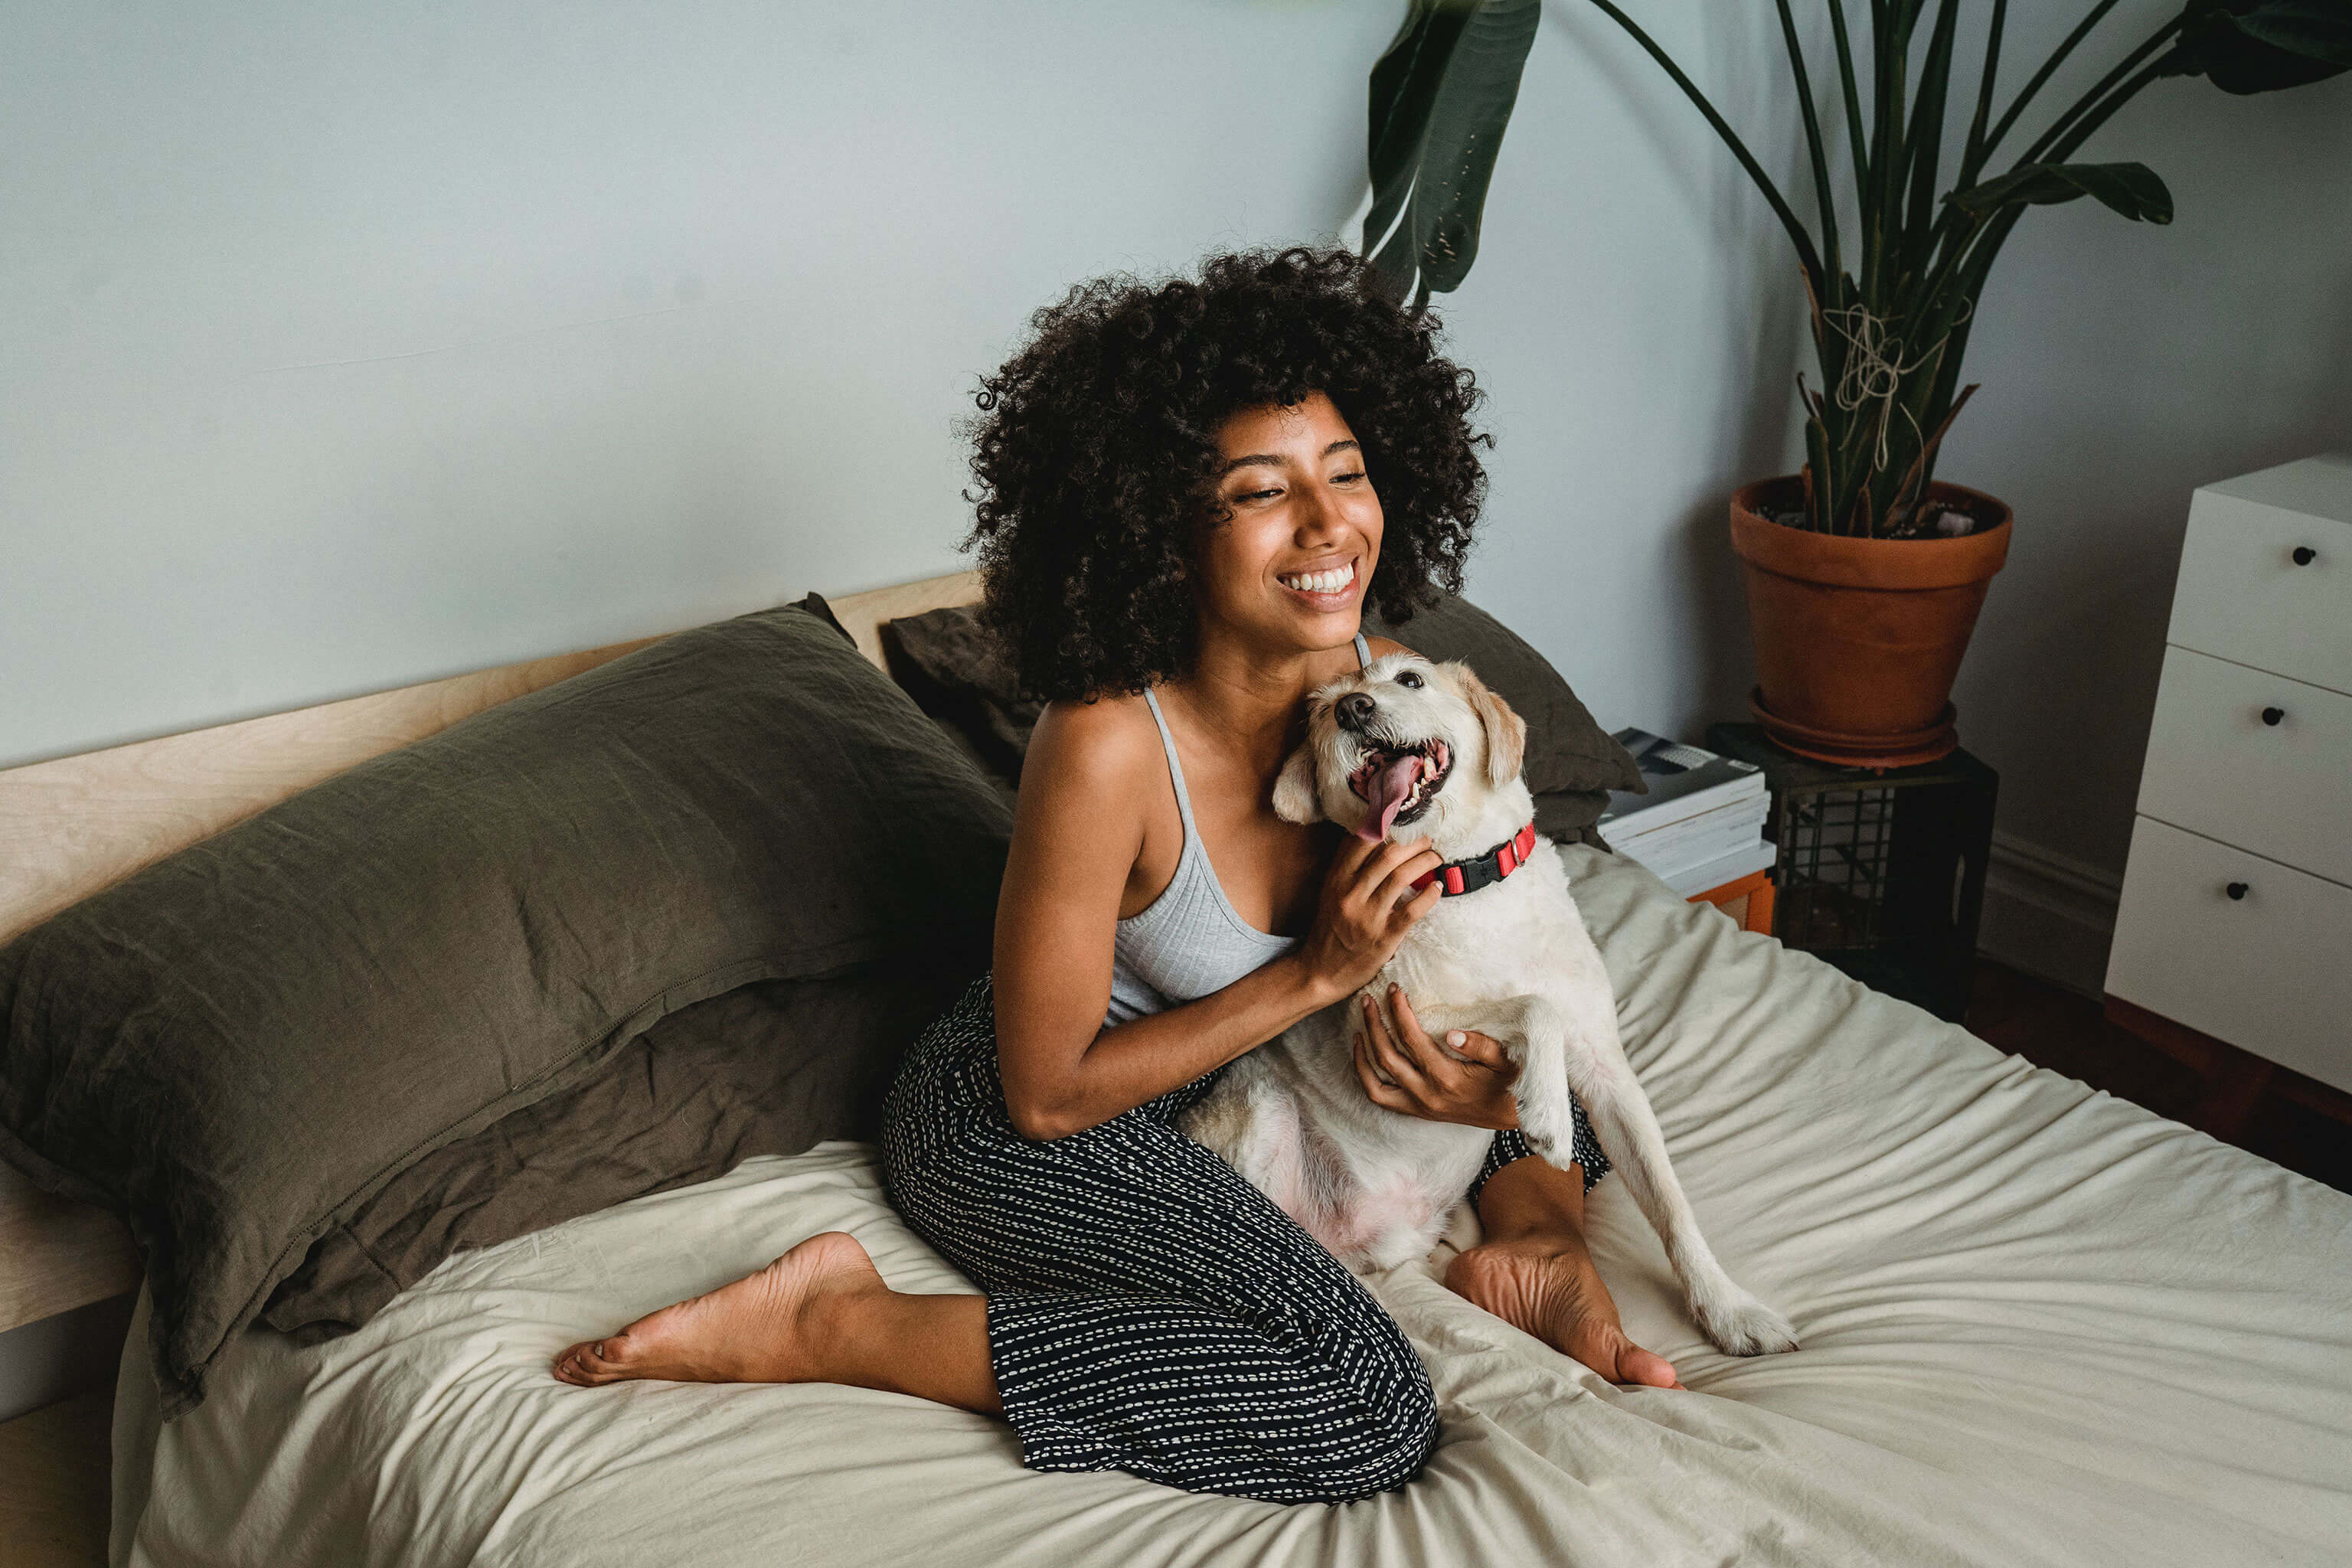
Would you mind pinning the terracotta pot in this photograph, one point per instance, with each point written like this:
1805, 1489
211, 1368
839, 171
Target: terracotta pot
1858, 640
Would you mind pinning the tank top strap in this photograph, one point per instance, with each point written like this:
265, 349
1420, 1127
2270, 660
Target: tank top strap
1175, 771
1176, 768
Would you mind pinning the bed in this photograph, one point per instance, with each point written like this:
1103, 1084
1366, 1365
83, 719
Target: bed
2038, 1325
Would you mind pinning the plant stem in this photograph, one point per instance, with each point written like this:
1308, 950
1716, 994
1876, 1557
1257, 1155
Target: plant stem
1890, 47
2106, 109
2049, 67
1967, 288
1797, 235
2058, 143
1812, 140
1973, 157
1861, 149
2065, 122
1926, 136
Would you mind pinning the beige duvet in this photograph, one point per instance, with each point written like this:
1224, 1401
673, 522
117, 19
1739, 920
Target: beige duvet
2040, 1325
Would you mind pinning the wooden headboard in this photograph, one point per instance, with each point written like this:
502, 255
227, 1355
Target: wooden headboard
75, 825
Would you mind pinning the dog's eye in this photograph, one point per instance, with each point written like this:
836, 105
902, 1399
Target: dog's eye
1409, 678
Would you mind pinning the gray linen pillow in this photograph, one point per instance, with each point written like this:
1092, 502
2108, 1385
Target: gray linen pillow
960, 672
771, 1067
240, 1047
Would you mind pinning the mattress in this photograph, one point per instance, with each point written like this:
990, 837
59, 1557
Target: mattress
2038, 1325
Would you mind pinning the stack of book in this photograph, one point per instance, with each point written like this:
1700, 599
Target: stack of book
1702, 823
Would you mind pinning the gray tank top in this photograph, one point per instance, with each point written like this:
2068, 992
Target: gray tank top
1188, 942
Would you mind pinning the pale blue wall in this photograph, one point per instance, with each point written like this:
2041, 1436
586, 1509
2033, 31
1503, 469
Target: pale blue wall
347, 348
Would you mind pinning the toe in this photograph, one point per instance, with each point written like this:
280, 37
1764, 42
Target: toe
1646, 1368
588, 1363
1604, 1348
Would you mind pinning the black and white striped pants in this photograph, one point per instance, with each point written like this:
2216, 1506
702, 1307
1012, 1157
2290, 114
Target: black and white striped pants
1147, 1309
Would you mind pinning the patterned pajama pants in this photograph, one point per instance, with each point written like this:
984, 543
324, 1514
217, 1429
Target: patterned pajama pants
1147, 1309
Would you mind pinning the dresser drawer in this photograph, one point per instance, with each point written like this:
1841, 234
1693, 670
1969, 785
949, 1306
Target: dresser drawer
2269, 972
2281, 790
2243, 597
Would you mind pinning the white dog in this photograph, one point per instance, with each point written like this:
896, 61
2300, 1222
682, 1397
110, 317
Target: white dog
1409, 742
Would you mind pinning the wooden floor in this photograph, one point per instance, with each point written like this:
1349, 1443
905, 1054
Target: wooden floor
2055, 1028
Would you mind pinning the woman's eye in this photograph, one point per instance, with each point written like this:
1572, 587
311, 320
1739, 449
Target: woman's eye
1348, 478
1258, 495
1410, 679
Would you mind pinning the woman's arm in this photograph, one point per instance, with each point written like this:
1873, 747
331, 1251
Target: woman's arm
1077, 831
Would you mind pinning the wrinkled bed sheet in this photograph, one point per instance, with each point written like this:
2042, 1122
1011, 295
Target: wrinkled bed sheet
2040, 1325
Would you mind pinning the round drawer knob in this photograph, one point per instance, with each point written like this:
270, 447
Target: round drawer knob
2304, 555
2236, 889
2272, 716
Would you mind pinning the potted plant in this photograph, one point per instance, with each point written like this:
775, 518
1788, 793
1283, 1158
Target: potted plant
1864, 572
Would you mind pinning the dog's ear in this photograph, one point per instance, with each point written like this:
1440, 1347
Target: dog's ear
1293, 792
1506, 732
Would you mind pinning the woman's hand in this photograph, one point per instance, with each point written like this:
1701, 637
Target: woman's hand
1368, 904
1405, 1071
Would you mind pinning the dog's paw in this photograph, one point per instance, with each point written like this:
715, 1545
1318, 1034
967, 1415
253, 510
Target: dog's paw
1745, 1326
1548, 1127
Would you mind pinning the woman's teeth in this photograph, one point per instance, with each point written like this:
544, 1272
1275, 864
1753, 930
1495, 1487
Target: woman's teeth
1327, 582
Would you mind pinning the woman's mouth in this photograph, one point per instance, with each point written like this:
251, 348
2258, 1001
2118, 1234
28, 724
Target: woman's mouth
1325, 588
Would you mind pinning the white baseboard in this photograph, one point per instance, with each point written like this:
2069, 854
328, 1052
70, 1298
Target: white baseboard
2048, 914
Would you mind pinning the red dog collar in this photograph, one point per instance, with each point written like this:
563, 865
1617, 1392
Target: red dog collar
1469, 875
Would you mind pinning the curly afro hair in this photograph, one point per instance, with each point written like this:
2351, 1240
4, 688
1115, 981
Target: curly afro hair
1095, 452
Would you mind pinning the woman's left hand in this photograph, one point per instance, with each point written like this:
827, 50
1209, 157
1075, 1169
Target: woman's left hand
1405, 1071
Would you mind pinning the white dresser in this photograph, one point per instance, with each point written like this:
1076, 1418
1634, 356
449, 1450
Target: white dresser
2236, 918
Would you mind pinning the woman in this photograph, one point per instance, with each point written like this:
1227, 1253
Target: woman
1185, 494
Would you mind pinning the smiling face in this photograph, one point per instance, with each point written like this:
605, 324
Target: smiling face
1405, 743
1286, 561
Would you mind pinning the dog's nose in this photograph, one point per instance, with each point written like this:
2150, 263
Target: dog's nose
1356, 710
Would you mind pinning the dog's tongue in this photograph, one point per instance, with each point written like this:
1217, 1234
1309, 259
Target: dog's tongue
1386, 795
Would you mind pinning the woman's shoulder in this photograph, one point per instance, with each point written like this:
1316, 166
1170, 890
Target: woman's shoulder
1102, 743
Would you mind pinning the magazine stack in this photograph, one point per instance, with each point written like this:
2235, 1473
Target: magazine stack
1702, 823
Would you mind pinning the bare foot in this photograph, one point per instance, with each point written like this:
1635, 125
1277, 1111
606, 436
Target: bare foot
764, 1327
1553, 1291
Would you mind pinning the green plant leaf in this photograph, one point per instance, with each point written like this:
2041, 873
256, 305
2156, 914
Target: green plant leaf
2131, 189
2261, 46
1441, 99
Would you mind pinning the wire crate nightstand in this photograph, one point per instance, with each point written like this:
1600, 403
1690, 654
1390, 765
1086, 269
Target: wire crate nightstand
1881, 873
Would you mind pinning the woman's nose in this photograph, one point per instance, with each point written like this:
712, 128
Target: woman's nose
1315, 513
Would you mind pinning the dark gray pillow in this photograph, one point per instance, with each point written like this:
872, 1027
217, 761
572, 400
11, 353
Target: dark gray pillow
771, 1067
240, 1047
1567, 751
960, 672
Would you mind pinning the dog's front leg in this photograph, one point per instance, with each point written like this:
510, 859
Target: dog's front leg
1628, 1129
1553, 1055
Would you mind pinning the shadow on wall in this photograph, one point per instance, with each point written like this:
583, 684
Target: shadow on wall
1754, 402
1759, 426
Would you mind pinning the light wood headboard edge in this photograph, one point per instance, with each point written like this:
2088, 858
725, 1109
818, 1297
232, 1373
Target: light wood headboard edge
862, 614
